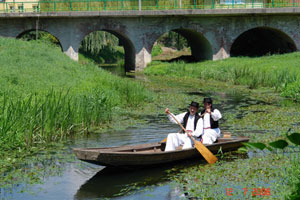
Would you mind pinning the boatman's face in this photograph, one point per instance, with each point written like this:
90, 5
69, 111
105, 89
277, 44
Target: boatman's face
207, 105
193, 110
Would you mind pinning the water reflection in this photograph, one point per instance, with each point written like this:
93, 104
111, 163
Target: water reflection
112, 182
116, 69
115, 182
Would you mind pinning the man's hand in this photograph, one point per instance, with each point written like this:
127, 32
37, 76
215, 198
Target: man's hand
167, 111
189, 133
208, 110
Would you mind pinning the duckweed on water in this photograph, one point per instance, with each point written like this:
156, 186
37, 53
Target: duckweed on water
260, 114
277, 172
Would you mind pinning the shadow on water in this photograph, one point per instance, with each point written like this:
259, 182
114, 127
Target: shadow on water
183, 58
115, 69
113, 182
119, 70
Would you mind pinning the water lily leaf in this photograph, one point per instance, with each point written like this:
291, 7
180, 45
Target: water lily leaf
257, 145
294, 138
242, 150
279, 144
269, 148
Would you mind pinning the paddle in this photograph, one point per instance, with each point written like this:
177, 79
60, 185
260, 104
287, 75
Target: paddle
205, 152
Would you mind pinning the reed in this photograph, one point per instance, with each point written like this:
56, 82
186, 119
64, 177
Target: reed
280, 72
45, 96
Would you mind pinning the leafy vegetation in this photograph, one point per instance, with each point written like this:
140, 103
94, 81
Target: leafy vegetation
102, 47
173, 40
274, 172
34, 90
280, 72
156, 50
45, 96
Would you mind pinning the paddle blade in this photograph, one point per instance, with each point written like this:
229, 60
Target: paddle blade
163, 141
205, 152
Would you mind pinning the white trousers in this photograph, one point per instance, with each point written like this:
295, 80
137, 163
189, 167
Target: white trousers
210, 135
176, 139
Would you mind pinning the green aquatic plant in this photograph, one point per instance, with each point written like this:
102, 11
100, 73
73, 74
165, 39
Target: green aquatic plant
45, 97
280, 72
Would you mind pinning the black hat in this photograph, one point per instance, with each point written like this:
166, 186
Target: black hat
207, 100
194, 104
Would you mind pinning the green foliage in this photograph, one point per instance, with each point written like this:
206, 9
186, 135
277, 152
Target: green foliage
279, 144
294, 138
276, 172
102, 47
292, 90
173, 40
95, 41
45, 96
41, 36
257, 145
280, 72
156, 50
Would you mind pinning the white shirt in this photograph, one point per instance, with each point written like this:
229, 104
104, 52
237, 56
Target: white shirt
190, 123
216, 115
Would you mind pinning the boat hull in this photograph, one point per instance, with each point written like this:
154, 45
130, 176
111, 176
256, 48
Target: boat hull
149, 154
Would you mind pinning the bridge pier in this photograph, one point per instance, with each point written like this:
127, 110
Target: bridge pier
71, 53
142, 58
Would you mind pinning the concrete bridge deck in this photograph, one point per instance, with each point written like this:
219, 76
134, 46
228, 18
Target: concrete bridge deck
159, 13
212, 34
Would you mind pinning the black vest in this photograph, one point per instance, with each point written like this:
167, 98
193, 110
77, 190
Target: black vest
185, 119
213, 123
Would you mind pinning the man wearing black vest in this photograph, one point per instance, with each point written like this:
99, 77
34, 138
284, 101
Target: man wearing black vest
211, 131
191, 121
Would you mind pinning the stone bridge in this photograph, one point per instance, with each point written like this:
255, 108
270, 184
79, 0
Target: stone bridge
211, 34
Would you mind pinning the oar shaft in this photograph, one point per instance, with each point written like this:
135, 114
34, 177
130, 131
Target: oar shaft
177, 121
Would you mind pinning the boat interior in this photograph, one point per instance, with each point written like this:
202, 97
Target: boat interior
157, 147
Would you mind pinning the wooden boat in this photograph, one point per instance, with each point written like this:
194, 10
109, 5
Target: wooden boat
143, 155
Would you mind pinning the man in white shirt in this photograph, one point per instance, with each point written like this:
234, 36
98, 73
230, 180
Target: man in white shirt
211, 131
192, 122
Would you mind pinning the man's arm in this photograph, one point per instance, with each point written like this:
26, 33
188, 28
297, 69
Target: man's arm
216, 115
179, 117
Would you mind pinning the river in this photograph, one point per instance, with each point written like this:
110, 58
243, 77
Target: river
74, 179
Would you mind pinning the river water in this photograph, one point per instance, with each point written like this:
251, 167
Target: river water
81, 181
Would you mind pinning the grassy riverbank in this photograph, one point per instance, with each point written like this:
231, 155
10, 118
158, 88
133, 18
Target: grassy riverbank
281, 72
46, 97
51, 97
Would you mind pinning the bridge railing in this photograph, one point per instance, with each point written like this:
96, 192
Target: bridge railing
100, 5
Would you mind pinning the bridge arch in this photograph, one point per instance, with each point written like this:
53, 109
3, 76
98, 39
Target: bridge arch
124, 41
262, 41
201, 49
24, 32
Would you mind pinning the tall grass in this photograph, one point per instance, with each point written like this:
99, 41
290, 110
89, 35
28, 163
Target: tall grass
50, 117
45, 96
281, 72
